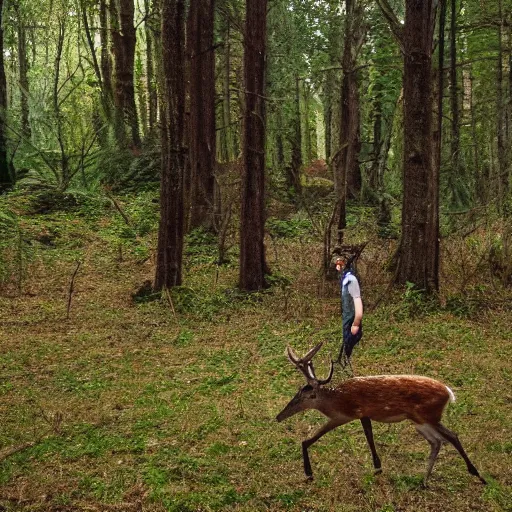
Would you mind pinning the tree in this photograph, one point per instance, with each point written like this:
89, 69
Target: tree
348, 173
202, 136
106, 62
123, 47
252, 250
6, 178
23, 67
350, 140
150, 68
170, 234
419, 245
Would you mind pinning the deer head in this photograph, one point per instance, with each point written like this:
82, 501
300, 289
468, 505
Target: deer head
306, 398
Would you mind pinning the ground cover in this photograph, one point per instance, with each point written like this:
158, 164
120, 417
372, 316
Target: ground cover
170, 404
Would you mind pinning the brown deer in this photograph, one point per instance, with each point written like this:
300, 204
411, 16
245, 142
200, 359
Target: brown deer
384, 398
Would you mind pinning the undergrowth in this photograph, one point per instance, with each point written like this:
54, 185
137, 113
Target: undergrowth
170, 403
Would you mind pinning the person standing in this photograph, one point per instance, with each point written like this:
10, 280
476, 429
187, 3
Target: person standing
352, 309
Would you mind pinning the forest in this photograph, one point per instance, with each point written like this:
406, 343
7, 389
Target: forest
177, 179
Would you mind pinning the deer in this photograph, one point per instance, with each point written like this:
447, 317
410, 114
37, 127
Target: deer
381, 398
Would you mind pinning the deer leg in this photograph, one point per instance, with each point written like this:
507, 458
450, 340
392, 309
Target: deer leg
368, 432
452, 438
308, 442
435, 440
434, 452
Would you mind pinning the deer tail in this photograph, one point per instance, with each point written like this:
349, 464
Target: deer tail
452, 395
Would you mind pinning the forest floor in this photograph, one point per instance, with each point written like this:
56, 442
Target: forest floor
170, 404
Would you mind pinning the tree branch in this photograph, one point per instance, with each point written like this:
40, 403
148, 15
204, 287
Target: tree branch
394, 25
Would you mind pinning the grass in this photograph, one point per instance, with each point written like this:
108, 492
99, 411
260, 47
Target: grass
128, 406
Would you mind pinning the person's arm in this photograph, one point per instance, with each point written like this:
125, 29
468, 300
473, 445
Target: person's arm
358, 307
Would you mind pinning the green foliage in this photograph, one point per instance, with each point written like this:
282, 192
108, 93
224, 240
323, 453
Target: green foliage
416, 303
278, 279
461, 306
201, 247
207, 305
124, 172
290, 228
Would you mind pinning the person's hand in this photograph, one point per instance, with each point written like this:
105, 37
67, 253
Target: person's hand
354, 329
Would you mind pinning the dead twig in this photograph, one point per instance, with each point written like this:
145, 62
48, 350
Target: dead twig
171, 304
71, 288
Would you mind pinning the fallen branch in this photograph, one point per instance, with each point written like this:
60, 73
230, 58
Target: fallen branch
7, 452
118, 208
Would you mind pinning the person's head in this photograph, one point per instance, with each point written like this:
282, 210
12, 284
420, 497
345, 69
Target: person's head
344, 262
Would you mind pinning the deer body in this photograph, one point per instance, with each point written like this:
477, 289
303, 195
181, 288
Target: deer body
387, 399
383, 398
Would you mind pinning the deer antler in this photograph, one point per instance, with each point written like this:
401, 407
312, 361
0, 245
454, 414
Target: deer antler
305, 365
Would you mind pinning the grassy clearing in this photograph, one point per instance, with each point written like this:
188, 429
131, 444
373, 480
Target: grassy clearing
128, 406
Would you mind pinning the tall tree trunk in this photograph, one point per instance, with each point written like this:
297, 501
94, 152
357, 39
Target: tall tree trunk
455, 170
123, 47
150, 71
481, 189
419, 248
350, 142
252, 250
308, 150
332, 86
170, 234
348, 182
503, 149
328, 114
23, 71
373, 176
293, 172
65, 172
202, 136
280, 160
106, 62
227, 145
437, 100
6, 177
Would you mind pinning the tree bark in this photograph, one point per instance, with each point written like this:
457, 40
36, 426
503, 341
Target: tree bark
23, 71
226, 135
6, 177
293, 172
350, 140
502, 142
150, 71
202, 136
419, 248
348, 182
170, 234
373, 177
437, 99
106, 62
123, 47
252, 250
455, 177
